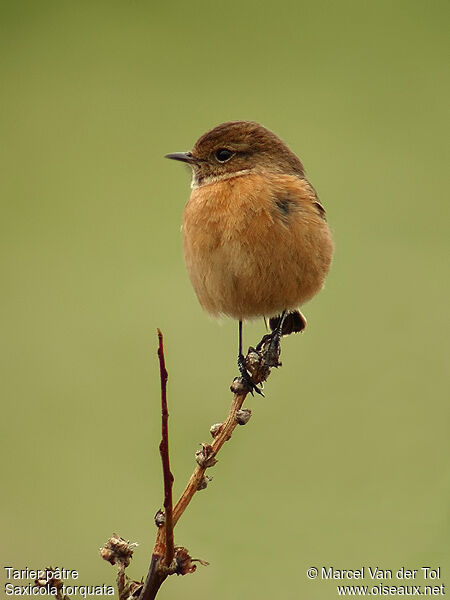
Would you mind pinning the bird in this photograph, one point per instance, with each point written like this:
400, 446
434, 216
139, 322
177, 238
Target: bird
255, 235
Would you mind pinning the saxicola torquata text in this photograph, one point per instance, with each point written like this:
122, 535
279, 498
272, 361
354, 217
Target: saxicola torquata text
256, 240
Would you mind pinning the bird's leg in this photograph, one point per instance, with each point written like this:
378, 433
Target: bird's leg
243, 369
273, 350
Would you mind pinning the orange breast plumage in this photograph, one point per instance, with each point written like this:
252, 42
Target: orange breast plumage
255, 245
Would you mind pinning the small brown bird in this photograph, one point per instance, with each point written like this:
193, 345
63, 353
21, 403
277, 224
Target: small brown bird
256, 240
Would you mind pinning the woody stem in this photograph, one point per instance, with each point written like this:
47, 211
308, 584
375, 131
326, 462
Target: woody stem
164, 451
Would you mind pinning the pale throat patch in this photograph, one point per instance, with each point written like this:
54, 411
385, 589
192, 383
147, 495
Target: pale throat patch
216, 178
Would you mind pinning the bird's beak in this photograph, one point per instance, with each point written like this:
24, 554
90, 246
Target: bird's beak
183, 156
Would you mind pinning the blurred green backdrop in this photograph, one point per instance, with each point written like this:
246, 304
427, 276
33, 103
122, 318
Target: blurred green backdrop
346, 460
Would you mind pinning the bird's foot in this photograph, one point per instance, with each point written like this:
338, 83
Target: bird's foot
270, 348
246, 377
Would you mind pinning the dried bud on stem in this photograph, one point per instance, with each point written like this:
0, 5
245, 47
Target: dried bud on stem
118, 550
160, 518
202, 484
215, 429
243, 416
205, 456
238, 386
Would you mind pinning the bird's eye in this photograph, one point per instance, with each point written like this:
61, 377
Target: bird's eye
223, 154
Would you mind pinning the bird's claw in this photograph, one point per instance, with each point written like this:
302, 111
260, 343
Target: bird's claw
246, 377
270, 348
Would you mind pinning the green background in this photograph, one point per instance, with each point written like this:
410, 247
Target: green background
346, 460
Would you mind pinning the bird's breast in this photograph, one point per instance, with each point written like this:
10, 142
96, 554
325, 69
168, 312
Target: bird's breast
250, 242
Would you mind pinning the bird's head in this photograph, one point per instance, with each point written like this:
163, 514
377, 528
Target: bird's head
238, 147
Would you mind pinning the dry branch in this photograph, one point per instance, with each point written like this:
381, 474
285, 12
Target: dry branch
167, 558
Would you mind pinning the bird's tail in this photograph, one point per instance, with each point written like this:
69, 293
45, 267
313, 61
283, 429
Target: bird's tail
294, 322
